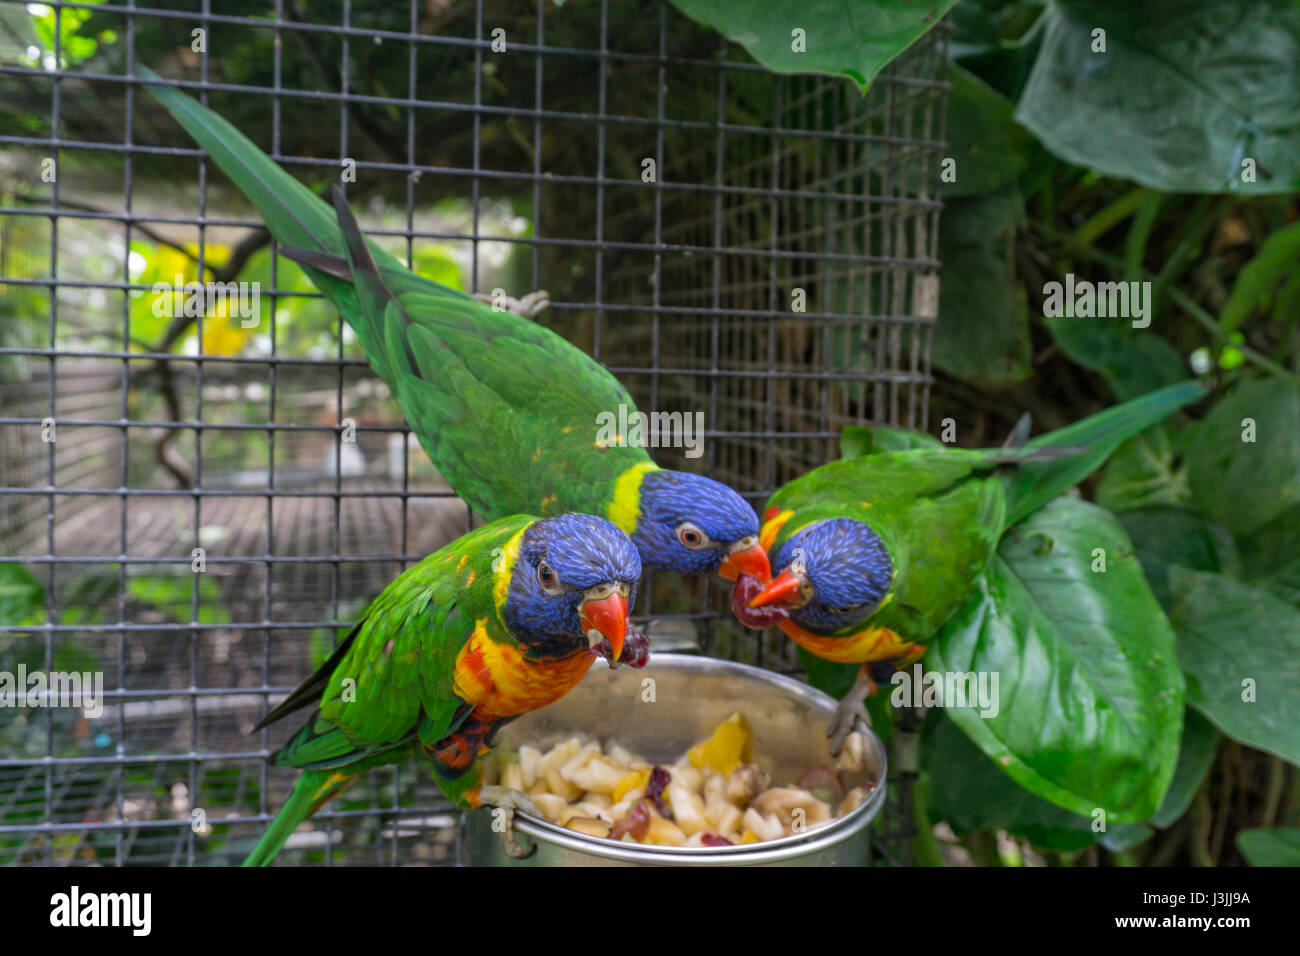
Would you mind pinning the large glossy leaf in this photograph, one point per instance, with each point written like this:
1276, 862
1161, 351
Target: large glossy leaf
983, 328
1240, 648
854, 39
1091, 694
1145, 470
991, 149
1243, 484
1166, 536
969, 791
1133, 361
1185, 90
1270, 847
1271, 557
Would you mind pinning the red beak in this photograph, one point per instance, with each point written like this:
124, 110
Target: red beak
606, 616
751, 560
786, 588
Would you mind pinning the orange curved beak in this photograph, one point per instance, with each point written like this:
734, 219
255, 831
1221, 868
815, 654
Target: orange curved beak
748, 559
606, 617
786, 588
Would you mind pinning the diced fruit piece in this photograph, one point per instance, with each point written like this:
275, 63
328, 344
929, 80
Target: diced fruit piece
635, 780
797, 810
636, 824
730, 745
664, 833
558, 784
529, 757
512, 777
589, 826
597, 774
654, 791
550, 804
746, 783
688, 810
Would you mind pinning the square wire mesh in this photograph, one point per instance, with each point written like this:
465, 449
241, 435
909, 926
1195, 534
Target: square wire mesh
779, 274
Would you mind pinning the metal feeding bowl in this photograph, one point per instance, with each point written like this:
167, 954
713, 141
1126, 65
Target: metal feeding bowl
691, 696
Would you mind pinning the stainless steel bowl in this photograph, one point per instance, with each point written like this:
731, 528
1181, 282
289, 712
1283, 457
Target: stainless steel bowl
692, 695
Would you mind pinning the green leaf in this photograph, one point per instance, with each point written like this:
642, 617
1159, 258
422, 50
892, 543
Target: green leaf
1270, 557
1144, 471
1279, 846
1165, 105
1230, 633
842, 39
1133, 361
983, 328
1091, 694
1243, 485
1277, 261
1195, 757
969, 791
991, 150
21, 595
1166, 536
859, 440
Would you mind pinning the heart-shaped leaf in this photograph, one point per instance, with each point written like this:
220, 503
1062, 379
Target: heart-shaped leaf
1140, 90
1240, 648
1165, 536
1090, 690
1243, 460
820, 36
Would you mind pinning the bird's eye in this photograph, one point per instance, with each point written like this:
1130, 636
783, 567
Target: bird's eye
845, 609
547, 577
692, 537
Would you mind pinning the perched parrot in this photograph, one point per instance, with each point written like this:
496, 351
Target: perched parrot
875, 552
504, 620
507, 410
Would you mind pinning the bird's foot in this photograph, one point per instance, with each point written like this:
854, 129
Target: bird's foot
849, 711
529, 307
505, 802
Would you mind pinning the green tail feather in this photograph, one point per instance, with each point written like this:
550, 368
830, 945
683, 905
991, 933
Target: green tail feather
313, 788
1034, 484
294, 214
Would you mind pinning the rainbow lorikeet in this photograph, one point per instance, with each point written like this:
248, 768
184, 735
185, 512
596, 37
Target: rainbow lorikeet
876, 552
502, 621
507, 410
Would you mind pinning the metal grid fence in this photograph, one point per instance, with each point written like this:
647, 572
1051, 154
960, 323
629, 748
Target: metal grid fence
521, 169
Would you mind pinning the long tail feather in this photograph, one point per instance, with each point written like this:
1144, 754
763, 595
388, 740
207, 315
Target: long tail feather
1033, 484
313, 789
295, 215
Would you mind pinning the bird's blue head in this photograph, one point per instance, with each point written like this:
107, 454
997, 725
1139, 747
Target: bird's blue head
695, 525
833, 575
572, 585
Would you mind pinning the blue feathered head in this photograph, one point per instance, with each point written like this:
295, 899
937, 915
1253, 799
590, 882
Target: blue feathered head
695, 525
832, 575
572, 586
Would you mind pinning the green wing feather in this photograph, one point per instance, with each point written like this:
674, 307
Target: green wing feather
935, 512
391, 684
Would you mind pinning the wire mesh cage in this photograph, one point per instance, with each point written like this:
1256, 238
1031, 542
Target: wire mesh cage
755, 247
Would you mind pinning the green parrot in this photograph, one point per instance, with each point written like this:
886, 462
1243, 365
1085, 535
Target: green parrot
875, 552
508, 411
502, 621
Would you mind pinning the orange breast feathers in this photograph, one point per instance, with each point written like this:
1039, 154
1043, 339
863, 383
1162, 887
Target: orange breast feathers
500, 682
872, 644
